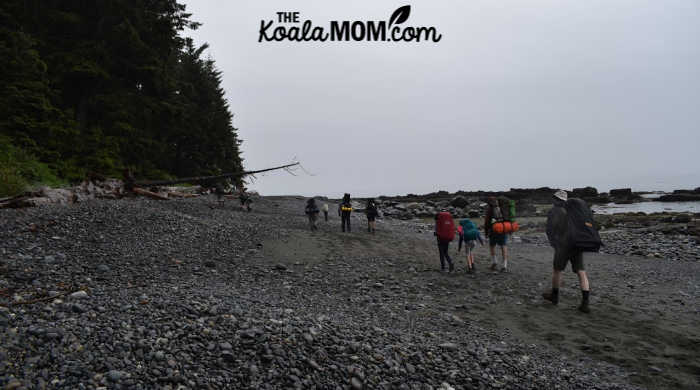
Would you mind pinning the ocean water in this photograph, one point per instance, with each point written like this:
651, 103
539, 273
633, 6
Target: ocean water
648, 207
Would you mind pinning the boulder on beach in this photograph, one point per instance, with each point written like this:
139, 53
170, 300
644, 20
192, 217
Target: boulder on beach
459, 201
621, 192
585, 192
680, 197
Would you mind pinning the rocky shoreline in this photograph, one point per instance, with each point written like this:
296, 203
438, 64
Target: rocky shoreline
184, 294
665, 235
529, 202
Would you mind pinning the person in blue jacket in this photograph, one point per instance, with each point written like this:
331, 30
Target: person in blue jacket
469, 234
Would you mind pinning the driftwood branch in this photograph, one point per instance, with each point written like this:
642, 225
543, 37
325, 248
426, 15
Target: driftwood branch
44, 299
196, 179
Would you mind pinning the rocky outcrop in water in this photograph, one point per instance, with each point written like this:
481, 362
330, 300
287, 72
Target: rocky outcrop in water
682, 196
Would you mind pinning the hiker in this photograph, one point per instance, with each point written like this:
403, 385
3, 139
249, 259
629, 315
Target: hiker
565, 250
219, 191
495, 214
325, 211
445, 233
312, 212
372, 213
344, 210
245, 199
469, 233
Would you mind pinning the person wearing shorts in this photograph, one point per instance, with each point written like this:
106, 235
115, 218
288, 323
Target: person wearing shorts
557, 229
469, 245
495, 239
562, 257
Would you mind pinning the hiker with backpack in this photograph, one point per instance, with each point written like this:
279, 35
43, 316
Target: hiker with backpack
494, 222
469, 233
445, 233
219, 191
312, 212
570, 232
245, 199
325, 211
344, 210
372, 213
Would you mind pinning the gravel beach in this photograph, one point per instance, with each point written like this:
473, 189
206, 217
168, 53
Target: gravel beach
190, 294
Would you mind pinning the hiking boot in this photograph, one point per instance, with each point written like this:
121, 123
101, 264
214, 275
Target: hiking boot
584, 307
504, 270
493, 267
549, 296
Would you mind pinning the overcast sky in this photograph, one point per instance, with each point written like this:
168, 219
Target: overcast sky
559, 93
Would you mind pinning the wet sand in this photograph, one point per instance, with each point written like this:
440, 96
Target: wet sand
644, 312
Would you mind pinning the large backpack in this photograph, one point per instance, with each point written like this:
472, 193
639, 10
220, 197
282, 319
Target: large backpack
445, 226
511, 209
582, 233
372, 209
470, 231
507, 208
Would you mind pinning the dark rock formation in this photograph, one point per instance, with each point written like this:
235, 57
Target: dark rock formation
680, 197
621, 193
585, 192
459, 201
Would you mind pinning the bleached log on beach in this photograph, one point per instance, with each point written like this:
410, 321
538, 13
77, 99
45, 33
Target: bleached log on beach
149, 194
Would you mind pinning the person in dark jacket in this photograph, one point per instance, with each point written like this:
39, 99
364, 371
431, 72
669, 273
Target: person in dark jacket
495, 214
219, 191
557, 234
312, 212
344, 210
372, 213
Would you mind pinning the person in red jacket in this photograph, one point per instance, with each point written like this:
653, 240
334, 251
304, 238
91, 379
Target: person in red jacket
445, 233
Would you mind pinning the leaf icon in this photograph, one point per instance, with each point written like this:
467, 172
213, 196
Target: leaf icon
400, 15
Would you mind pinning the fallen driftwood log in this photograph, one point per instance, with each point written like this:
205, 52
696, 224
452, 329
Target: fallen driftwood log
176, 194
89, 189
15, 202
150, 194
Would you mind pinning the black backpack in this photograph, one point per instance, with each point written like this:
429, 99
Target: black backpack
583, 235
371, 208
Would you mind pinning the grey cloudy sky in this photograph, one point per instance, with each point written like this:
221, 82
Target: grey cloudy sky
557, 93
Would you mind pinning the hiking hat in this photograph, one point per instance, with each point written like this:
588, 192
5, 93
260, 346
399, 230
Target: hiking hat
561, 195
